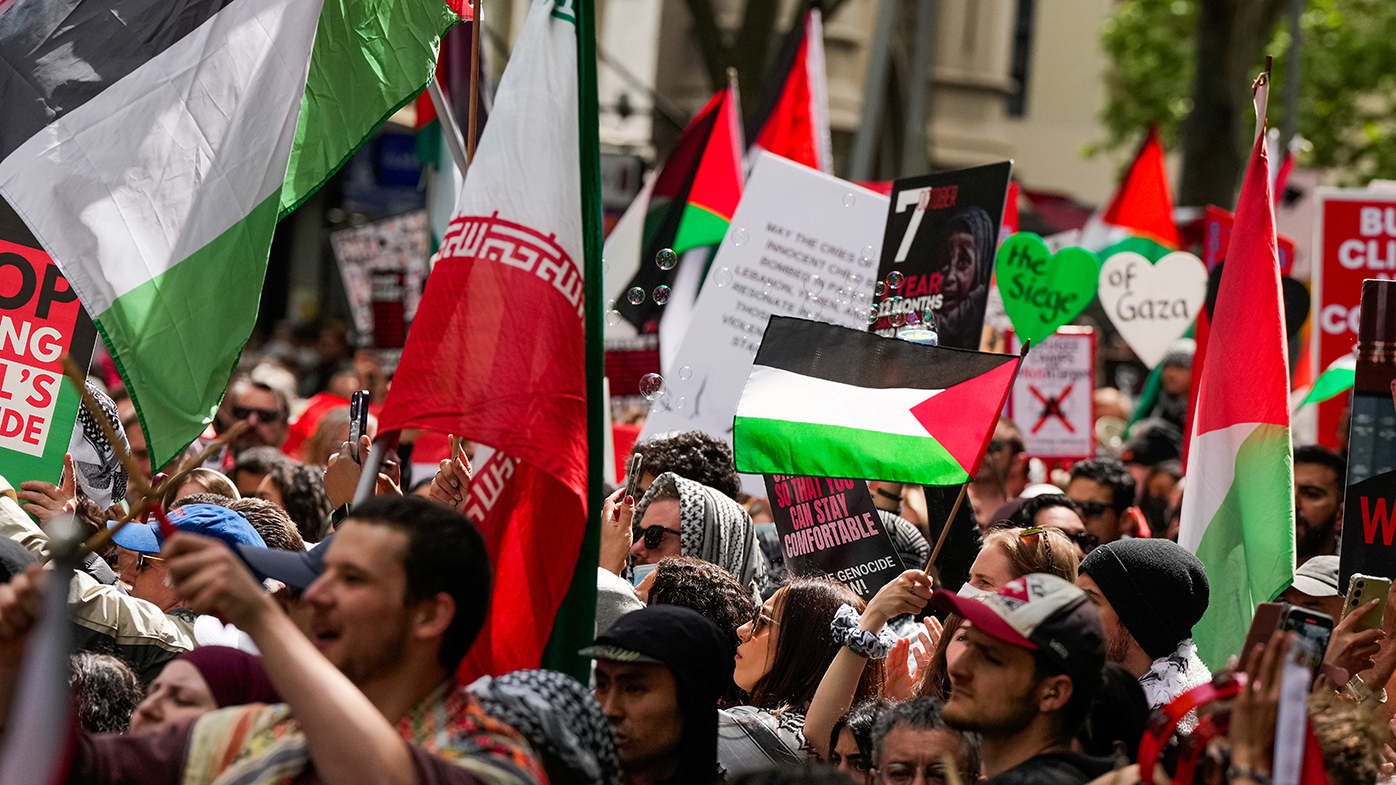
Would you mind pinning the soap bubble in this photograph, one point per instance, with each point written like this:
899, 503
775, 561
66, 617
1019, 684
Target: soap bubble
666, 259
661, 294
685, 372
766, 287
814, 284
651, 386
740, 236
867, 254
849, 200
680, 403
605, 267
894, 280
852, 281
722, 276
636, 295
912, 318
879, 289
611, 304
612, 318
811, 307
860, 300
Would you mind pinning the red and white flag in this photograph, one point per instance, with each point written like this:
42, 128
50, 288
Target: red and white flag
496, 353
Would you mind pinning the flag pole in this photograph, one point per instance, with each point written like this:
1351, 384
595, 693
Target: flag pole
475, 23
450, 129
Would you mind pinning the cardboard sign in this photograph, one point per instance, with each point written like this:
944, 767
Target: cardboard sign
40, 320
1355, 240
1052, 400
800, 244
831, 527
1369, 505
942, 232
370, 258
1042, 290
1152, 305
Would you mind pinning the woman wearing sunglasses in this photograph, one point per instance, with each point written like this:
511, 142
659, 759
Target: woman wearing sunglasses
784, 651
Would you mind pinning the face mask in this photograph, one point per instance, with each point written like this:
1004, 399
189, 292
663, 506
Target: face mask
639, 572
969, 592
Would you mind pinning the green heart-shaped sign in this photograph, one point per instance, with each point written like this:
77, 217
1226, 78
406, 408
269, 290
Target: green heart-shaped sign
1043, 291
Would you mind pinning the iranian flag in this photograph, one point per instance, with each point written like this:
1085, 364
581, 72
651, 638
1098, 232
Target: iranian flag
792, 120
828, 401
1139, 216
1238, 512
152, 147
499, 352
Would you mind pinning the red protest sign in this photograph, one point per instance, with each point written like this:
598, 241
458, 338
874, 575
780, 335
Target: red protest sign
1355, 240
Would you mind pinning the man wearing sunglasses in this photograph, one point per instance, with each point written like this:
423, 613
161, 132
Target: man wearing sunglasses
1103, 490
264, 409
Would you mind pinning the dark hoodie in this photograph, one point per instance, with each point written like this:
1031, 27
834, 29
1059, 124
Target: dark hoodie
701, 659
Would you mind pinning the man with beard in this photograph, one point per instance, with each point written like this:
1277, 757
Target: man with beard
1031, 667
370, 695
1149, 594
1319, 474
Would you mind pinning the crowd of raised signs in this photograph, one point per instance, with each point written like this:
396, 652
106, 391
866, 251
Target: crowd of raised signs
285, 636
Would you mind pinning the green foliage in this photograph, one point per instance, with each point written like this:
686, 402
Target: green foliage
1347, 99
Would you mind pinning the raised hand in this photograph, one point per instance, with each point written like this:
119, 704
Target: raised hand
44, 500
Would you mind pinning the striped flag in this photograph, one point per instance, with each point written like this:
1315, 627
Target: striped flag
1139, 216
1238, 512
827, 401
146, 146
717, 184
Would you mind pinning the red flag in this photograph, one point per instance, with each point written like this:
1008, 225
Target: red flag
496, 352
793, 118
1143, 204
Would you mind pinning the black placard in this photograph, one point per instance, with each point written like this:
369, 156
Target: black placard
942, 233
830, 526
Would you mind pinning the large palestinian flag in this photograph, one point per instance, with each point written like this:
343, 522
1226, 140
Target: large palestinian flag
146, 146
828, 401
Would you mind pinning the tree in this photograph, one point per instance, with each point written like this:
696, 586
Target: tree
1348, 89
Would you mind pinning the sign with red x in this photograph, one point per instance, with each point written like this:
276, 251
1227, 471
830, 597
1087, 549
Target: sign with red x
1051, 401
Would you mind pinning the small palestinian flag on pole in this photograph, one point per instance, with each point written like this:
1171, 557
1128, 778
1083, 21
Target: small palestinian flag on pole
828, 401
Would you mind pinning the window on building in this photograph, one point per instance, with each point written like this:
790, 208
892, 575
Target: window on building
1022, 57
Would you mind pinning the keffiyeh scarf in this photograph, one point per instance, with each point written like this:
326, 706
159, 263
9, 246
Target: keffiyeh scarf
100, 474
712, 527
1173, 675
557, 714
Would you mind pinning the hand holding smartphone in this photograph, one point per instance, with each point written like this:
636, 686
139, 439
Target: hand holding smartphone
358, 422
1363, 589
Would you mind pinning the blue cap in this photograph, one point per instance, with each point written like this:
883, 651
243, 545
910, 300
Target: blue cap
209, 520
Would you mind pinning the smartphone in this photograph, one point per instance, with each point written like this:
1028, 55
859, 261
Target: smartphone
632, 479
358, 421
1313, 626
1363, 589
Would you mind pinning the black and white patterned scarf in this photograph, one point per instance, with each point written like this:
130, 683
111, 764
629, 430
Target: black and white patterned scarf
557, 714
100, 474
1171, 676
712, 527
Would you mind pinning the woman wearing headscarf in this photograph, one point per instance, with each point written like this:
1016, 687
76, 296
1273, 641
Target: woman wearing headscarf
560, 718
966, 265
200, 681
679, 517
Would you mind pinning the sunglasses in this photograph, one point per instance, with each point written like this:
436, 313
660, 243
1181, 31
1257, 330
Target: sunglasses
1035, 535
1084, 540
268, 416
759, 620
653, 535
1092, 509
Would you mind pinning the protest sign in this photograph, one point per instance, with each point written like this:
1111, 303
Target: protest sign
384, 265
1052, 399
1152, 304
938, 251
1369, 508
1041, 290
800, 244
831, 527
1355, 240
1217, 231
40, 321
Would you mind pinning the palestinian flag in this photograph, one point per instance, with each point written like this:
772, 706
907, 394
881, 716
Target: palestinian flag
717, 184
1238, 513
152, 147
828, 401
1337, 379
703, 168
1139, 216
792, 120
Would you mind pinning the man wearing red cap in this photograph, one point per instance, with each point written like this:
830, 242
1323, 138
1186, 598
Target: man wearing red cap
1025, 682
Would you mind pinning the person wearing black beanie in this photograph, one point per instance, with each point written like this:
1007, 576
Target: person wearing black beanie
659, 673
1149, 593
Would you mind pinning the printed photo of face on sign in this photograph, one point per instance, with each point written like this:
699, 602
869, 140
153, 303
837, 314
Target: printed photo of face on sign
941, 237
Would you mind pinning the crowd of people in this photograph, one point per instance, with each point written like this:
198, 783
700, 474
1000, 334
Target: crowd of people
285, 635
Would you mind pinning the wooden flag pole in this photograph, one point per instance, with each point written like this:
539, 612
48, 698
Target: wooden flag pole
475, 23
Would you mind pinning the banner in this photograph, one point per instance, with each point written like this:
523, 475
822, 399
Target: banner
384, 265
831, 527
1369, 505
1052, 400
40, 321
801, 243
1355, 240
941, 235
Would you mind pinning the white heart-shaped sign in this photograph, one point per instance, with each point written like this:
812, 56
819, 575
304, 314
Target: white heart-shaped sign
1152, 304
